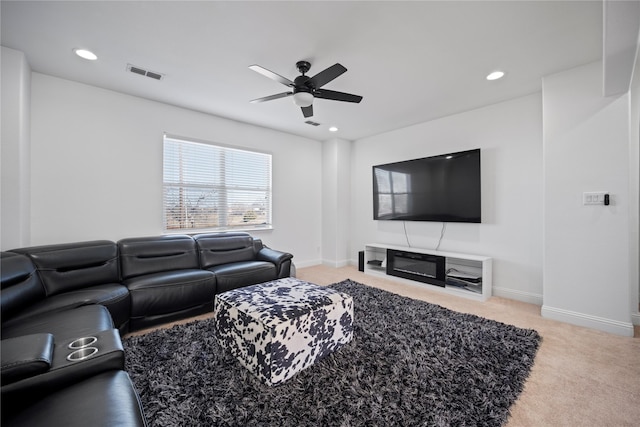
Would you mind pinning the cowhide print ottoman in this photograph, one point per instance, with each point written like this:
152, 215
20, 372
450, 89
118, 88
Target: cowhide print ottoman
276, 329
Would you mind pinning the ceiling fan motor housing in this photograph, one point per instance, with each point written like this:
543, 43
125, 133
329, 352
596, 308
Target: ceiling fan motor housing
302, 84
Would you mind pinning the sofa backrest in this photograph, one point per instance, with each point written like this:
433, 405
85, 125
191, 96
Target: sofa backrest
147, 255
69, 266
19, 282
224, 248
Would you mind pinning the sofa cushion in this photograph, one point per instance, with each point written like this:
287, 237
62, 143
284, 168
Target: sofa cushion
147, 255
69, 266
107, 399
65, 324
114, 296
224, 248
21, 286
238, 274
170, 291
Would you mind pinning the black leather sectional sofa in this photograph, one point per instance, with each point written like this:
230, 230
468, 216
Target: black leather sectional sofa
64, 308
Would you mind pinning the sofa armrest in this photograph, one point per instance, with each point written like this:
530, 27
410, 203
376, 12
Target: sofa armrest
26, 356
106, 354
282, 260
271, 255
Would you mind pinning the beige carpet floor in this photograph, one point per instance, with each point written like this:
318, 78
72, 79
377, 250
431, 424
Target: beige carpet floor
581, 377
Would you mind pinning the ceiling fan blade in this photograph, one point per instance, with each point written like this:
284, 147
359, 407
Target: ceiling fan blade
269, 98
336, 96
325, 76
273, 76
307, 111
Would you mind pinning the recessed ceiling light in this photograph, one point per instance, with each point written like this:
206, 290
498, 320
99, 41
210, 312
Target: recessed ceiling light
495, 75
333, 129
85, 54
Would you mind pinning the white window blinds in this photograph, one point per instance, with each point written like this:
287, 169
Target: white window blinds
214, 187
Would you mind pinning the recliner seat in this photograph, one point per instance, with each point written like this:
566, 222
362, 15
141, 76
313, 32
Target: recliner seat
26, 309
238, 259
107, 399
77, 274
164, 279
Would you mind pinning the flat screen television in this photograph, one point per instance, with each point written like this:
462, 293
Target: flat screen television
442, 188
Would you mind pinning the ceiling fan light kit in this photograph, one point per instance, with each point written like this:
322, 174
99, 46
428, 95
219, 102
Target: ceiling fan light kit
305, 88
303, 99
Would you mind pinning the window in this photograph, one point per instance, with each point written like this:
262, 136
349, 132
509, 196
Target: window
208, 186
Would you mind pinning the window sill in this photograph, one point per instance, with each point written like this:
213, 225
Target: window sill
193, 232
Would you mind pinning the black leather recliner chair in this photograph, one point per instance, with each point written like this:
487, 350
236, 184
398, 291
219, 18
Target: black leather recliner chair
237, 260
26, 308
77, 274
164, 279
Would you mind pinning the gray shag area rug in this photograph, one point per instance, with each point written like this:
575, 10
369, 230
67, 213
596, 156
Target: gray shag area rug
410, 363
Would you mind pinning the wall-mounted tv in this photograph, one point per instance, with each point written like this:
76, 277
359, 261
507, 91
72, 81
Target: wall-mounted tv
443, 188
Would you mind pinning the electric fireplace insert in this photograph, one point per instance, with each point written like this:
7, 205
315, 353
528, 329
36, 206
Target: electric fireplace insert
420, 267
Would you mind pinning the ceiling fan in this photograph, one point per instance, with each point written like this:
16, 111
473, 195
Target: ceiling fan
306, 88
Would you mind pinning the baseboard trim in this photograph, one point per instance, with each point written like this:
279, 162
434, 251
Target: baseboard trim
335, 264
594, 322
328, 263
513, 294
303, 264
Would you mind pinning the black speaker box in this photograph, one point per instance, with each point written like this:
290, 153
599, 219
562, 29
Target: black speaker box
361, 261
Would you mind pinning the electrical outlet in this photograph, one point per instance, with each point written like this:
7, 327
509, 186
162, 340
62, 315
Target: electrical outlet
593, 198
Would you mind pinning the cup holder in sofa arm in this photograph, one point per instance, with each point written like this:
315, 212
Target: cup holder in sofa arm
81, 354
68, 365
82, 342
26, 356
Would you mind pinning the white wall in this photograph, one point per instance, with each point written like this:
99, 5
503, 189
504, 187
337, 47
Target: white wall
634, 195
15, 153
97, 167
336, 202
509, 135
586, 148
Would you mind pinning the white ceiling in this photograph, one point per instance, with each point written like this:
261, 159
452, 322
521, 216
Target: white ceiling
411, 61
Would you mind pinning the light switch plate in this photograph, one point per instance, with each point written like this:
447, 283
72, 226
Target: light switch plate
593, 198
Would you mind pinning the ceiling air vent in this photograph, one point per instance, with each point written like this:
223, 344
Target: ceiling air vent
309, 122
143, 72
